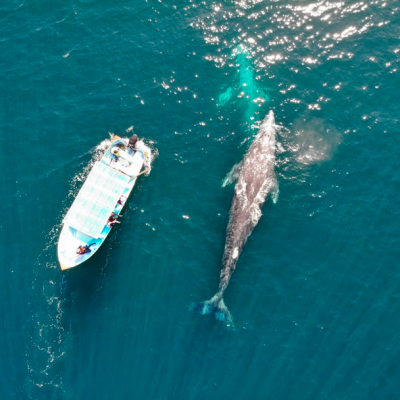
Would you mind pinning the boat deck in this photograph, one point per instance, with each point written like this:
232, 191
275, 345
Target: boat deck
96, 200
110, 180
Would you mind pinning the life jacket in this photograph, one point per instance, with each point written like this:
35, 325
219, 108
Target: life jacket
83, 250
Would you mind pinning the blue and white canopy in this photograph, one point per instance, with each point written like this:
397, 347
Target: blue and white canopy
96, 200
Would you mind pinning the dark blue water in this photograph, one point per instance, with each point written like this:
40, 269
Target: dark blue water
315, 296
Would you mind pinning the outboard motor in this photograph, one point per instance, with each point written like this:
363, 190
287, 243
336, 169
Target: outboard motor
132, 142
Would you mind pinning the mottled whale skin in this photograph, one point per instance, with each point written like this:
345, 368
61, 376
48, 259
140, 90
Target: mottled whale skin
255, 179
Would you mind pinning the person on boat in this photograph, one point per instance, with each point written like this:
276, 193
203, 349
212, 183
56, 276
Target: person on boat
110, 224
114, 215
84, 249
122, 200
115, 154
112, 220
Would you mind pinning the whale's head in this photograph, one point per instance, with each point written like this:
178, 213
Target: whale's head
267, 128
271, 118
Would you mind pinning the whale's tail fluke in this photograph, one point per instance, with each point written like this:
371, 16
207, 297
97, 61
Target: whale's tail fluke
215, 305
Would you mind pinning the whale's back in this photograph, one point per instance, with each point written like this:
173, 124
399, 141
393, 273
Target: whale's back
255, 181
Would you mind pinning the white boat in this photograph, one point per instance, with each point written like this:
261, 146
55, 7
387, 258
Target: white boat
100, 200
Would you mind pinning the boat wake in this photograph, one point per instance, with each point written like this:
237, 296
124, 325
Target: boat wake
47, 333
49, 329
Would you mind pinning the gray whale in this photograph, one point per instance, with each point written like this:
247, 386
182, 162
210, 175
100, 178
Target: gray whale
255, 179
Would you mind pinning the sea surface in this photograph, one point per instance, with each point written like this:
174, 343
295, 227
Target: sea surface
316, 293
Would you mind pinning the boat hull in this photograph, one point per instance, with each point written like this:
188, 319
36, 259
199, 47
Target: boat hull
71, 238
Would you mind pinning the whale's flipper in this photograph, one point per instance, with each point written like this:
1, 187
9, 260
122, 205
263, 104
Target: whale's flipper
232, 175
217, 306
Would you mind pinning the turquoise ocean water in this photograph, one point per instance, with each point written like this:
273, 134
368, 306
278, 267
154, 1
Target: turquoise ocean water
315, 295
